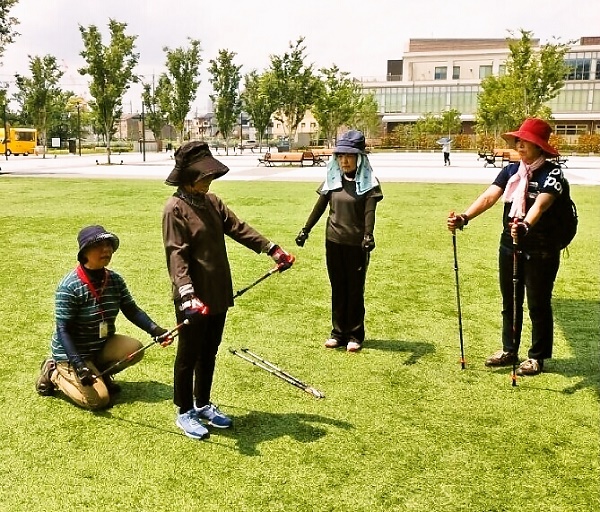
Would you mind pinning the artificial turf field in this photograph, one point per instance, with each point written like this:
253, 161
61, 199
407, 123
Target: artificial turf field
402, 426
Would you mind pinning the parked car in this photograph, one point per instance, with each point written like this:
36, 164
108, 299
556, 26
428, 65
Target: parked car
248, 144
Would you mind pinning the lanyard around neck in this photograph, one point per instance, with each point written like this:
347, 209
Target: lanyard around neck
86, 280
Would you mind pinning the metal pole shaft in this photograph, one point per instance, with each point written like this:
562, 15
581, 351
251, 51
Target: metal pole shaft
460, 326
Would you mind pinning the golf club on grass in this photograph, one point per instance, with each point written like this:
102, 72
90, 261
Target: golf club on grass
514, 319
262, 363
260, 279
460, 327
174, 332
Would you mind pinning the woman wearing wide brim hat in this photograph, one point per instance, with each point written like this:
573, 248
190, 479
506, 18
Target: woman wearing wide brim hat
351, 191
532, 190
85, 341
195, 223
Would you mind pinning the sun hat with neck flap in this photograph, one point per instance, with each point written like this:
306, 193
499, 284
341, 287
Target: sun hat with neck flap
91, 235
534, 130
194, 161
352, 141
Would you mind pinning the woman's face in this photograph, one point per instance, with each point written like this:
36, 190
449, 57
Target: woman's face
528, 151
98, 255
202, 185
347, 162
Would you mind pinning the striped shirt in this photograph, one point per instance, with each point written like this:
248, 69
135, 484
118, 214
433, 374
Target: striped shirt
77, 307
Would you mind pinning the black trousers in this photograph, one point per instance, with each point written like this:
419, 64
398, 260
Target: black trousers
536, 274
347, 269
446, 158
197, 348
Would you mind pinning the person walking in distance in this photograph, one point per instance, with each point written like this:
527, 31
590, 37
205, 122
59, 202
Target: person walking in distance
446, 150
531, 190
194, 226
351, 191
85, 342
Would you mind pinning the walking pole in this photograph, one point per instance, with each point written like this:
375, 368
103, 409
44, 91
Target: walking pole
174, 332
269, 367
460, 327
514, 326
262, 278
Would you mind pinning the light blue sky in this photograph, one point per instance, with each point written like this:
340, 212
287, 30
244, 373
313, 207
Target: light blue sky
358, 36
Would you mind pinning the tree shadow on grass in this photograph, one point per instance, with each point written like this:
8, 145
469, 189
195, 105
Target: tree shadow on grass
580, 323
416, 349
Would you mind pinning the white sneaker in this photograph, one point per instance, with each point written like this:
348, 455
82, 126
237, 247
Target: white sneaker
353, 346
332, 343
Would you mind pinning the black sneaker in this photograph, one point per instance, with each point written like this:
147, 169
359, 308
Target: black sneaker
44, 386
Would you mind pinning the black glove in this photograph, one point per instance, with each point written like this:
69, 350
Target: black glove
302, 237
283, 259
193, 308
368, 243
85, 375
157, 331
160, 335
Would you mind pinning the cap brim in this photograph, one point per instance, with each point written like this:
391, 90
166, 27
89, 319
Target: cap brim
345, 149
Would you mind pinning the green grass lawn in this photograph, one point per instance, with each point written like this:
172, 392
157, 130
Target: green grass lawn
403, 427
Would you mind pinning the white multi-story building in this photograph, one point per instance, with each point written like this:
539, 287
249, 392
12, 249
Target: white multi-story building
442, 74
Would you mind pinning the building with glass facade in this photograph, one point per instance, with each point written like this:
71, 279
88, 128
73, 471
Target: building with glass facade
435, 75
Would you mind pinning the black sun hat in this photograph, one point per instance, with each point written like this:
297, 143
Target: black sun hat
93, 234
194, 161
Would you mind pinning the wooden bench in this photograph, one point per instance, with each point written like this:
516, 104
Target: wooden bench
322, 155
306, 157
504, 156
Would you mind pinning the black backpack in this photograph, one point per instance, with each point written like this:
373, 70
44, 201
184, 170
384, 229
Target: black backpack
566, 215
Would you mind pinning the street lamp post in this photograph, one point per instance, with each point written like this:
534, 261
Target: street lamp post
79, 128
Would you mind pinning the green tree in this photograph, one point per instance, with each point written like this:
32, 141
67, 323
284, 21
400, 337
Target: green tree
367, 118
450, 122
111, 70
336, 101
40, 91
533, 77
293, 86
257, 102
225, 80
7, 24
177, 88
154, 116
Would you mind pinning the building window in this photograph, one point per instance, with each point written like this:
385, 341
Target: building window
571, 129
455, 72
313, 125
485, 71
502, 70
302, 125
441, 73
579, 68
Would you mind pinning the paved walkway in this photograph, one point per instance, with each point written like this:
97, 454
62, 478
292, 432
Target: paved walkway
389, 167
